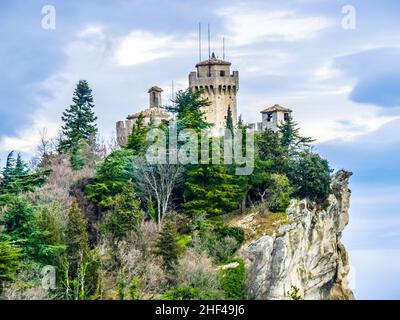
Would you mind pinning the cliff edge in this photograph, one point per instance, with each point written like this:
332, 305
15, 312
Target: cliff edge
305, 255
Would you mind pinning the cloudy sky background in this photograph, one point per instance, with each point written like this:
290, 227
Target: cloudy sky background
343, 85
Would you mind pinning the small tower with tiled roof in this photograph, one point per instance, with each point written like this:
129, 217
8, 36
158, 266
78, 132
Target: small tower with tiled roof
273, 117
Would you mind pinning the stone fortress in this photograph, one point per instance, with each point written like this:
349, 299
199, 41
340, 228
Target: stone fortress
218, 85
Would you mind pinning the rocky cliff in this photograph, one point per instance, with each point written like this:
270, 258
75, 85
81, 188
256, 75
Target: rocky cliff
305, 255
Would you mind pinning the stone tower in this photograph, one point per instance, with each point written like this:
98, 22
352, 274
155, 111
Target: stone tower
273, 117
154, 113
214, 79
155, 97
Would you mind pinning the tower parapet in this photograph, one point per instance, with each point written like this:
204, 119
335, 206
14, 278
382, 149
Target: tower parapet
219, 86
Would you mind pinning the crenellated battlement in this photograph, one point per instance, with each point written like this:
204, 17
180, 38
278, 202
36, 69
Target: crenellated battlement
218, 85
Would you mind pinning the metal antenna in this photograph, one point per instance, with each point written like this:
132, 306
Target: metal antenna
173, 93
199, 41
209, 42
223, 48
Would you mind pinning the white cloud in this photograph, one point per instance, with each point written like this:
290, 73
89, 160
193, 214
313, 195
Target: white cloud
142, 46
246, 26
90, 31
323, 113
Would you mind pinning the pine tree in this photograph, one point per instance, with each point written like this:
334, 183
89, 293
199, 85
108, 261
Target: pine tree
188, 109
291, 138
8, 173
21, 168
167, 247
126, 214
79, 119
229, 120
137, 138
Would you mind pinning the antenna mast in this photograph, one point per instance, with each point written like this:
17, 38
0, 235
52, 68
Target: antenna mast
209, 42
199, 41
223, 48
173, 93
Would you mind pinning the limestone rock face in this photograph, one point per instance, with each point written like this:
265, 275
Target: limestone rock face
306, 254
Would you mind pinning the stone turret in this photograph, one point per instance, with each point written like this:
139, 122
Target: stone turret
219, 86
155, 97
154, 113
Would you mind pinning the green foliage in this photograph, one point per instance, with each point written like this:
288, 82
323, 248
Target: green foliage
78, 156
79, 119
229, 120
137, 140
24, 228
17, 178
121, 286
111, 176
226, 231
85, 283
291, 138
188, 293
211, 190
126, 214
81, 267
9, 170
77, 238
220, 242
233, 280
167, 247
151, 211
188, 109
310, 176
271, 155
10, 257
134, 288
279, 193
294, 293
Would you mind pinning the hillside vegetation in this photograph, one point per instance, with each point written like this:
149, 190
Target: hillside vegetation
114, 226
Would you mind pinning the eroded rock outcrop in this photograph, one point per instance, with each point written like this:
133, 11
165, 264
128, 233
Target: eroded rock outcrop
305, 254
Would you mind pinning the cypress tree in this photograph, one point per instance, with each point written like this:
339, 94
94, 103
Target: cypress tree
229, 120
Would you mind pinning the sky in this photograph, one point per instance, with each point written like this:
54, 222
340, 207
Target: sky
337, 67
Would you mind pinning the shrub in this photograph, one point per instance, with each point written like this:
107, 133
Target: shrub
220, 249
181, 293
197, 271
233, 280
186, 293
235, 232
